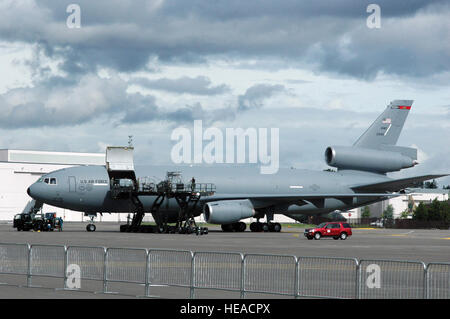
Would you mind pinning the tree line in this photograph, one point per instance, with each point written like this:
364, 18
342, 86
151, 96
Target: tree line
434, 211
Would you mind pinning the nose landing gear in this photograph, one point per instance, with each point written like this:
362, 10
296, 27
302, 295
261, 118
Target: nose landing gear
91, 227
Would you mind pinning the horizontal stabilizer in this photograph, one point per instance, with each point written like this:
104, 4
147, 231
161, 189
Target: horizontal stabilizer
405, 151
395, 185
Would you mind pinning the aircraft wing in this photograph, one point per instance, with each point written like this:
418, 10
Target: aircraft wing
396, 184
317, 200
300, 196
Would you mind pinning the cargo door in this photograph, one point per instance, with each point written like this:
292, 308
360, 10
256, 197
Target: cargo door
72, 184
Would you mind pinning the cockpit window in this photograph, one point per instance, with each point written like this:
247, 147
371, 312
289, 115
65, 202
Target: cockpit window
51, 181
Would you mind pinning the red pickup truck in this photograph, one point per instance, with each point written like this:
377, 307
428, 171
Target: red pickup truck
337, 230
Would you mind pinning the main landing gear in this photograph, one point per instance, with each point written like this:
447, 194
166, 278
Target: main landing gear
265, 227
254, 227
235, 227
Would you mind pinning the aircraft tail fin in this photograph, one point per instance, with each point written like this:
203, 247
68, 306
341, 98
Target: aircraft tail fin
385, 131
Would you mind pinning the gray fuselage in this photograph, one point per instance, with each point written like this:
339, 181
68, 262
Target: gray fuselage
87, 189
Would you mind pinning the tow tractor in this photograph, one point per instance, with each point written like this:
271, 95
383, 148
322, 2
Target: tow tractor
23, 222
32, 218
37, 222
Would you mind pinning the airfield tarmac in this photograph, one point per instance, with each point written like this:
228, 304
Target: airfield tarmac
366, 243
369, 243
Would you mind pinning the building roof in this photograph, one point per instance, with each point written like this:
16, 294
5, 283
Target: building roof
45, 157
416, 191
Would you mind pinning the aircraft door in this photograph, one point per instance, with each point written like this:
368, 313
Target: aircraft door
72, 184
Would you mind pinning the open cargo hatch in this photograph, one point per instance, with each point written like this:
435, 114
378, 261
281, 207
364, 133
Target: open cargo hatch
120, 167
120, 163
119, 158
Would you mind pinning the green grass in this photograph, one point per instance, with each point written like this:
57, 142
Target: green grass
298, 225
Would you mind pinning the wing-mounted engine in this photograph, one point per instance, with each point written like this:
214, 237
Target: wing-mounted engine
228, 211
390, 159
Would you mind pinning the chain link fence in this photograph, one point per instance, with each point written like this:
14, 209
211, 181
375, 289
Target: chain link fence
244, 274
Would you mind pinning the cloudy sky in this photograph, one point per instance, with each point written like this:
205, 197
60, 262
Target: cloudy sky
313, 69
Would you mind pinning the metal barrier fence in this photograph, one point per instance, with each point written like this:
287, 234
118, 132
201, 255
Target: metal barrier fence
298, 277
324, 277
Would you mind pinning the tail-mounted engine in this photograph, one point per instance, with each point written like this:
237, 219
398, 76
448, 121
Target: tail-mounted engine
372, 160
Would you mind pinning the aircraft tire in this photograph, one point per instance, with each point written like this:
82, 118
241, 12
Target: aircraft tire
265, 227
37, 226
91, 227
240, 227
254, 227
277, 227
227, 228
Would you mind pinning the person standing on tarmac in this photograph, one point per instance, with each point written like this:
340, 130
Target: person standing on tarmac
193, 184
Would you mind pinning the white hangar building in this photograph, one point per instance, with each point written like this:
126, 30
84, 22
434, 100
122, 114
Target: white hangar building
19, 169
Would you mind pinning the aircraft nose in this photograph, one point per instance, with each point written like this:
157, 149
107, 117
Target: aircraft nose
31, 191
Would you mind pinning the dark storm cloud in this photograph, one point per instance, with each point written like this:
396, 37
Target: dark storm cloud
237, 9
58, 103
65, 103
321, 35
145, 108
255, 95
200, 85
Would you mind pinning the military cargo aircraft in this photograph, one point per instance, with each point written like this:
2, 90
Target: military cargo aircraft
242, 192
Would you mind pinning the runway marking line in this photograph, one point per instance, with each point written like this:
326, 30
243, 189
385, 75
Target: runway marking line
402, 235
